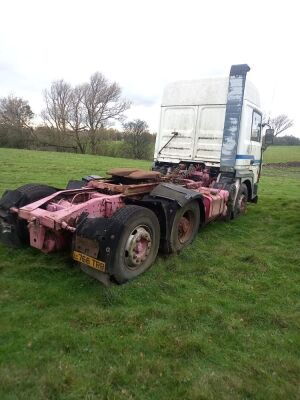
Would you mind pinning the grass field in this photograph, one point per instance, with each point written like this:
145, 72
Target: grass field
277, 154
219, 321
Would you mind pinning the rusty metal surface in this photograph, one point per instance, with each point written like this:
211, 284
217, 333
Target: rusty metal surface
185, 227
51, 216
53, 219
126, 190
134, 173
138, 246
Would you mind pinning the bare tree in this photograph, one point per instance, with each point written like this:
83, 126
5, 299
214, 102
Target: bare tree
76, 118
280, 123
64, 111
58, 103
83, 110
137, 139
15, 112
103, 103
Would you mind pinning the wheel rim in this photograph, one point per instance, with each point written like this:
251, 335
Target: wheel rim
186, 226
138, 247
242, 204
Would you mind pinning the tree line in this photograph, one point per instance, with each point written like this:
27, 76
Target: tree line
80, 118
77, 118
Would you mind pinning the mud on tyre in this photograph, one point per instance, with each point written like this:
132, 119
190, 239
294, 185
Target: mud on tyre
240, 205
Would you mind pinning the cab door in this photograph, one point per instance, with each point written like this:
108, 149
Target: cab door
255, 144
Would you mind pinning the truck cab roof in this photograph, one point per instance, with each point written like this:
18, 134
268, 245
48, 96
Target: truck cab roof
205, 91
193, 117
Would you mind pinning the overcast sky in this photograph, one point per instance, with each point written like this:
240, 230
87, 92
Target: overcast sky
145, 44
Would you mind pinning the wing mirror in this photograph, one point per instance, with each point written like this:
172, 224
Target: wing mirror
269, 137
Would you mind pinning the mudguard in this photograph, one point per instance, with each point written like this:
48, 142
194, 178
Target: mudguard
164, 200
174, 192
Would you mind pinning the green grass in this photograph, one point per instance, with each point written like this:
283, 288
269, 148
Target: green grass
219, 321
23, 166
277, 154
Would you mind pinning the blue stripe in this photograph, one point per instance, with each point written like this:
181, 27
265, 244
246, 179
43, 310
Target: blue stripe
247, 157
244, 157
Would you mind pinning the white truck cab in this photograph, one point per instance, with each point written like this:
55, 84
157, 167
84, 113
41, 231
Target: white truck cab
216, 122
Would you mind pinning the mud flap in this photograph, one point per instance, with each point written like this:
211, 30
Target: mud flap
97, 238
98, 275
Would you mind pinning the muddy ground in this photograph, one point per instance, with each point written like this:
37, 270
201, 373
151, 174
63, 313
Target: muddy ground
290, 164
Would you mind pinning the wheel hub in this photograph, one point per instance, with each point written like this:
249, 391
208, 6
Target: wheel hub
185, 227
242, 204
137, 247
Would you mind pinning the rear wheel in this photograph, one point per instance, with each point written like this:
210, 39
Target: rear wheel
138, 243
185, 226
34, 192
21, 197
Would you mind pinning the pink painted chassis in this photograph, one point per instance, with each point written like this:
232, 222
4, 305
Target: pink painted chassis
52, 220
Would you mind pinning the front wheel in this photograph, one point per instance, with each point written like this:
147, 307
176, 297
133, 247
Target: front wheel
240, 206
138, 243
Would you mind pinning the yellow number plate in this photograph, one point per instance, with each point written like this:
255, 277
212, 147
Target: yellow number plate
90, 261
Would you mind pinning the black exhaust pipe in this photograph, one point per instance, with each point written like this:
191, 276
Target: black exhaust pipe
234, 107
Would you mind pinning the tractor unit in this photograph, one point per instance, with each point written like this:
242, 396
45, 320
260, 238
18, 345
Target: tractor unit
207, 163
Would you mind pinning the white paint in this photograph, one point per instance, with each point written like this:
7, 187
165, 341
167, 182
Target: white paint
196, 110
196, 92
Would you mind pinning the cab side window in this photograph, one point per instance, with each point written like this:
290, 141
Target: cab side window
256, 126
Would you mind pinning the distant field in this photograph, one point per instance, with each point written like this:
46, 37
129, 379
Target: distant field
279, 154
219, 321
23, 166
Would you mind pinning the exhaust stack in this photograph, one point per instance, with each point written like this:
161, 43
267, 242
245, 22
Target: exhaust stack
235, 97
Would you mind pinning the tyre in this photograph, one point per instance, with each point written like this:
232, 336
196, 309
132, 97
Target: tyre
240, 205
33, 192
230, 203
185, 226
26, 194
138, 243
